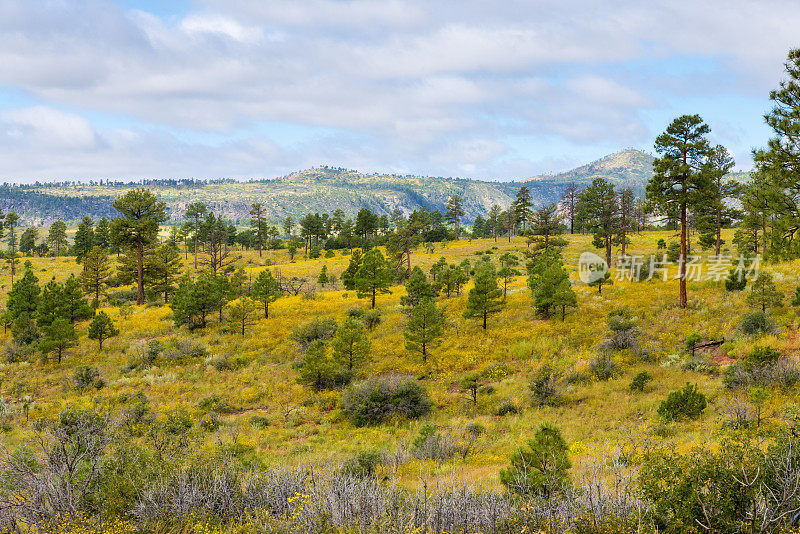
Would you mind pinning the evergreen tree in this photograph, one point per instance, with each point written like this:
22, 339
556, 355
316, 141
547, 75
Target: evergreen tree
258, 223
194, 212
522, 206
84, 239
101, 328
779, 164
455, 210
163, 270
350, 345
508, 269
485, 298
545, 228
57, 237
540, 468
678, 181
599, 212
27, 241
288, 226
10, 224
137, 228
764, 294
102, 235
717, 166
553, 290
52, 304
349, 274
322, 279
195, 300
58, 337
569, 202
604, 280
243, 312
318, 371
417, 288
24, 295
424, 327
95, 275
266, 290
374, 276
76, 306
494, 220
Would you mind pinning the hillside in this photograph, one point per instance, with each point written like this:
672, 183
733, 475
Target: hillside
628, 168
322, 189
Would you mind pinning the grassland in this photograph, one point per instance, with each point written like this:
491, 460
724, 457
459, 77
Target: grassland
307, 427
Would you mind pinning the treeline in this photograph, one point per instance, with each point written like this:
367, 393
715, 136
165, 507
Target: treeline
34, 205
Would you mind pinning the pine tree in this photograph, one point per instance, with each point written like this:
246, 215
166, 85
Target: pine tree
540, 468
424, 327
195, 300
350, 346
258, 223
266, 290
84, 239
101, 328
27, 241
95, 275
374, 276
57, 237
102, 235
163, 270
10, 224
552, 290
678, 181
494, 220
764, 294
322, 279
604, 280
508, 269
58, 337
417, 288
349, 274
545, 228
243, 312
485, 298
598, 209
194, 212
137, 228
24, 295
569, 202
455, 210
52, 304
522, 206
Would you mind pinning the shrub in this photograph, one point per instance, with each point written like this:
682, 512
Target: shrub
541, 467
321, 329
363, 464
545, 386
764, 367
686, 402
757, 322
507, 408
374, 401
372, 319
604, 368
640, 381
314, 253
430, 444
355, 312
88, 377
259, 421
215, 403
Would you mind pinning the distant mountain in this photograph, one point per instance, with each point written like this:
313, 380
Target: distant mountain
322, 189
629, 168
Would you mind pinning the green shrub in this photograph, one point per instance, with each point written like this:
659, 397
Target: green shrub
321, 329
757, 322
372, 319
363, 464
215, 403
210, 422
259, 421
545, 386
640, 381
374, 401
686, 402
86, 377
541, 467
507, 408
604, 368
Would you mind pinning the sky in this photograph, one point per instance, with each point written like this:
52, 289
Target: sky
126, 89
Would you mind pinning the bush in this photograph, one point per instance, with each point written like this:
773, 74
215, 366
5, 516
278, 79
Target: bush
374, 401
321, 329
507, 408
541, 467
430, 444
764, 367
259, 421
604, 368
363, 464
215, 403
757, 322
372, 319
683, 403
545, 386
314, 253
355, 312
88, 377
640, 381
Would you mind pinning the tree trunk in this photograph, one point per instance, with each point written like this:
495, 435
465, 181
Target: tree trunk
719, 230
484, 319
682, 259
140, 273
196, 227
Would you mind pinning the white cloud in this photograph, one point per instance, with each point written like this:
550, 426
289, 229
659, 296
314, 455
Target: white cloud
49, 128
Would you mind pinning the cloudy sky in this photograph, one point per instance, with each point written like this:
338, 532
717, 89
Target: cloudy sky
494, 90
